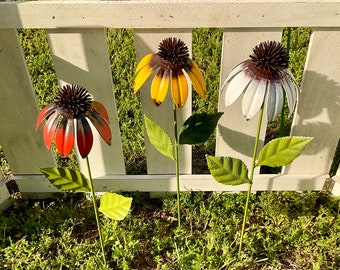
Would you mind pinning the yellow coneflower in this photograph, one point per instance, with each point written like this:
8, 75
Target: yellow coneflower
172, 62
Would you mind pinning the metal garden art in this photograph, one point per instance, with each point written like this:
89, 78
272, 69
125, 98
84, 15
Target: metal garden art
171, 65
66, 118
265, 81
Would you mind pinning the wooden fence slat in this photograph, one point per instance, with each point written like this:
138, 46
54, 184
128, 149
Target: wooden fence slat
236, 136
165, 14
81, 57
23, 146
318, 109
336, 185
147, 42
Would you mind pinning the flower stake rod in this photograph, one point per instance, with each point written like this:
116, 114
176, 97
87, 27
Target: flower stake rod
171, 63
67, 118
264, 78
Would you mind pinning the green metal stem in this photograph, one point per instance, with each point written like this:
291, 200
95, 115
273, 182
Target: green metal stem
93, 195
245, 215
177, 166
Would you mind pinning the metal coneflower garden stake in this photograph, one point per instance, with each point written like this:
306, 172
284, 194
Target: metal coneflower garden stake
263, 79
66, 119
170, 64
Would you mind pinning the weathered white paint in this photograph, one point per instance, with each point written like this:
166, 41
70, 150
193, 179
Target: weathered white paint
23, 146
81, 57
166, 183
336, 187
317, 114
169, 14
236, 136
147, 42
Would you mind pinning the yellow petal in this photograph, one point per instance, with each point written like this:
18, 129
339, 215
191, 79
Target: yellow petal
159, 86
143, 62
141, 77
179, 89
197, 79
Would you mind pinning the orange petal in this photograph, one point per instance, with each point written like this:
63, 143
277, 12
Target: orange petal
179, 88
45, 113
65, 136
102, 126
84, 137
100, 109
159, 86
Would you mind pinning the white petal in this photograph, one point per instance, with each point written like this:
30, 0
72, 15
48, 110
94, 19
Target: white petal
253, 98
290, 74
233, 72
290, 93
274, 101
236, 87
295, 84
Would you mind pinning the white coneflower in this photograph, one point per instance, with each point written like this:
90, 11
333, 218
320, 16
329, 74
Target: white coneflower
261, 78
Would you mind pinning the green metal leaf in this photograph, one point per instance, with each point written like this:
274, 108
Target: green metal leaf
66, 179
159, 138
115, 206
198, 128
228, 171
282, 151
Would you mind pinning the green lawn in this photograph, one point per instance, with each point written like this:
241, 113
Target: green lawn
285, 230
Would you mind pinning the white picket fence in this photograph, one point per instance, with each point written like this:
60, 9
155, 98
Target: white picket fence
77, 41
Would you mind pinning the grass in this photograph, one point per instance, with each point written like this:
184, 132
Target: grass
286, 230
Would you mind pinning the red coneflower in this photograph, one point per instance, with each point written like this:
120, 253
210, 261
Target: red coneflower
71, 108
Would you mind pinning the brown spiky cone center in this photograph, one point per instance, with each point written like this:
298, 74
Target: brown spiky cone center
73, 101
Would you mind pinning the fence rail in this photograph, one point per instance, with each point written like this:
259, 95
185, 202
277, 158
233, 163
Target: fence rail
170, 14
